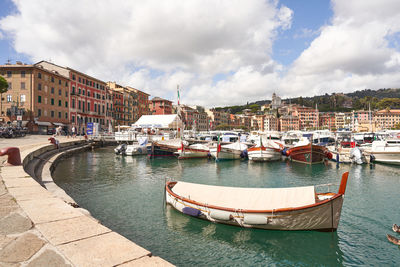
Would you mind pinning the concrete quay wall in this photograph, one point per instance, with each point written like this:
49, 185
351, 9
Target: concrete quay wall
44, 226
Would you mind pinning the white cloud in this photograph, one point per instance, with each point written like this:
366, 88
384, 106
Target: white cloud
155, 45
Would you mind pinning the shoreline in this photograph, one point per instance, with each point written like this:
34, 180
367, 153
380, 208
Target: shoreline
54, 230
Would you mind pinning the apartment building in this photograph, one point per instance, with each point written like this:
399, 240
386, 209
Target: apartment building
289, 123
308, 117
160, 106
271, 123
39, 95
142, 102
327, 120
387, 119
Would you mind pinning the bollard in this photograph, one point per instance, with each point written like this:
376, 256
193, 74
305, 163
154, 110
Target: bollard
14, 157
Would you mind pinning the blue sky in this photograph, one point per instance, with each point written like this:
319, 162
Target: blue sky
220, 52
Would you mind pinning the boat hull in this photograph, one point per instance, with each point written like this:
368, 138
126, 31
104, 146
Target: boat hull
307, 154
226, 154
322, 217
135, 150
387, 157
189, 153
262, 154
158, 150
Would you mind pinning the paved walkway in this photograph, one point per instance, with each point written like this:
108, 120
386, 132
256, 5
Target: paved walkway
38, 229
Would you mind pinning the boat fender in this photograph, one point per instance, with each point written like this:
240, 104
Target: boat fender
255, 219
284, 152
191, 211
220, 215
329, 155
244, 154
337, 157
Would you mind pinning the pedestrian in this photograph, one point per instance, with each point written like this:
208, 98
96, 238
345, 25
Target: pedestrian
73, 131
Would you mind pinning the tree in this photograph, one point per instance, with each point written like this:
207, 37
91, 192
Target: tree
3, 89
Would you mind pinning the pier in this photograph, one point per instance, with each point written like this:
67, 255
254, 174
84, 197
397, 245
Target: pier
41, 225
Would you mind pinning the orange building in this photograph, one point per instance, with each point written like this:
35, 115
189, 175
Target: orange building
160, 106
387, 119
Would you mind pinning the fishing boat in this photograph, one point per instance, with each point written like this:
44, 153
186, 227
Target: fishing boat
305, 152
260, 153
231, 151
164, 148
294, 208
385, 151
193, 151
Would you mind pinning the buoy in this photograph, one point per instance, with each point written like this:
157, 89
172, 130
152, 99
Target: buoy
14, 157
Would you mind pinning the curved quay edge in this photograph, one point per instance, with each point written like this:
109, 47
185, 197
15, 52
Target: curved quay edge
72, 232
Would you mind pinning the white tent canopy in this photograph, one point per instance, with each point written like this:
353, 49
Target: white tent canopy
158, 121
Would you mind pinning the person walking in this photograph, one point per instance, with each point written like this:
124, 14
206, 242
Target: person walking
73, 130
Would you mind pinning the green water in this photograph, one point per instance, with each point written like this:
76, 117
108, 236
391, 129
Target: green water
126, 195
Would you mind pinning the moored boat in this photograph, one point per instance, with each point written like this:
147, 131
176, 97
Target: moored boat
232, 151
260, 153
385, 151
164, 148
295, 208
305, 152
193, 151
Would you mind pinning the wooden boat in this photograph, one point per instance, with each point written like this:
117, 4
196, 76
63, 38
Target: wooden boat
231, 151
193, 151
165, 148
393, 239
396, 228
296, 208
260, 153
305, 152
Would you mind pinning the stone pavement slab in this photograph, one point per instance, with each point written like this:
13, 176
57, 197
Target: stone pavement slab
65, 231
21, 249
14, 223
104, 250
147, 261
5, 240
48, 210
48, 258
29, 192
20, 182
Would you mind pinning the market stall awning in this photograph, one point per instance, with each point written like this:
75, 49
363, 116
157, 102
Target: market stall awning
58, 124
43, 123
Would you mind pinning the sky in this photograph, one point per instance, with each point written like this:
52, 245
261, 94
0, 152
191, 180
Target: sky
220, 52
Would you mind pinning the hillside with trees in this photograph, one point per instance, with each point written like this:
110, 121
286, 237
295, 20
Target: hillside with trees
336, 102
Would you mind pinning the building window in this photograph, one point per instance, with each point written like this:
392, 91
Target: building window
79, 90
52, 79
66, 84
9, 86
73, 77
59, 91
22, 85
39, 112
39, 99
9, 98
88, 93
52, 90
79, 79
22, 74
73, 103
66, 104
95, 107
73, 118
66, 115
66, 93
59, 103
52, 113
9, 73
39, 86
59, 82
39, 75
59, 115
88, 106
52, 101
23, 98
83, 92
79, 104
73, 90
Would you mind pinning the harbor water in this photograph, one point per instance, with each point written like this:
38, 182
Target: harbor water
126, 195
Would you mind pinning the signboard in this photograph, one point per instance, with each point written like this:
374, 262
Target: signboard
89, 128
19, 118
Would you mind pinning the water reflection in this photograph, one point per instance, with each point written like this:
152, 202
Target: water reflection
321, 247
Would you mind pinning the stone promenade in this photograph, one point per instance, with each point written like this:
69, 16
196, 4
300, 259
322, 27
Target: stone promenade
39, 229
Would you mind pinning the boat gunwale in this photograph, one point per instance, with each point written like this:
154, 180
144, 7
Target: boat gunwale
323, 202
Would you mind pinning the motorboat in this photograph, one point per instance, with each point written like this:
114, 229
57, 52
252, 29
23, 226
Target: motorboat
231, 151
387, 151
137, 149
193, 151
347, 154
269, 152
305, 152
293, 208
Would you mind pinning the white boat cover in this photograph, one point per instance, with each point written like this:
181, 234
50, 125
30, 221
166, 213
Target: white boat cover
247, 198
236, 146
158, 121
